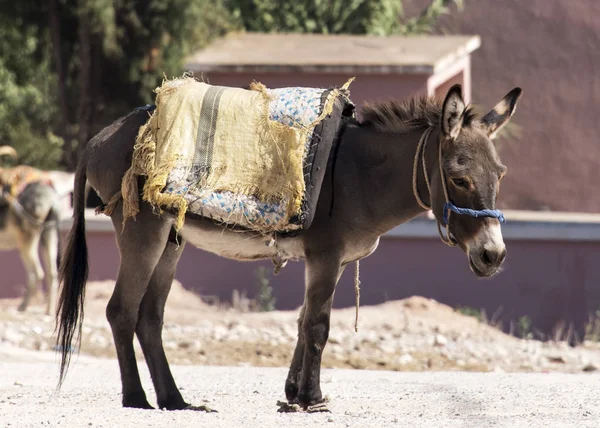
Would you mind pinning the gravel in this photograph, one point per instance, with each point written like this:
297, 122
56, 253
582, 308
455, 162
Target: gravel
414, 334
247, 397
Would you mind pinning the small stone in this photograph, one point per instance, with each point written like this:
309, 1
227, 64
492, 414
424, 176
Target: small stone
405, 359
387, 348
440, 340
589, 368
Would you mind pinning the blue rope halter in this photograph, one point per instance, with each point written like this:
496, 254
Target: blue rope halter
449, 206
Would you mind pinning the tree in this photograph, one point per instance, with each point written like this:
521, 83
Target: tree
120, 50
375, 17
27, 109
87, 62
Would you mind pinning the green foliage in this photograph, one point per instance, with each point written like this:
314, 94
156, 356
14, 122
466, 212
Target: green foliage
144, 41
317, 16
470, 312
27, 108
266, 300
425, 22
113, 53
524, 327
592, 327
375, 17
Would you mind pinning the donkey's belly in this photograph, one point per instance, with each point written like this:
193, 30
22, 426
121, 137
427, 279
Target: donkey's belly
239, 245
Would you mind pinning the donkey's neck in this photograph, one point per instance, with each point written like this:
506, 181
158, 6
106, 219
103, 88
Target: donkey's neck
374, 175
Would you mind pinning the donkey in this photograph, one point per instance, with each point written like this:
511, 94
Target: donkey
29, 222
383, 174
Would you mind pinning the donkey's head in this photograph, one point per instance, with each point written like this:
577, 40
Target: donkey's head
471, 171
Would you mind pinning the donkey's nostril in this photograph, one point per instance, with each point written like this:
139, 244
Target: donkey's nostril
487, 258
490, 258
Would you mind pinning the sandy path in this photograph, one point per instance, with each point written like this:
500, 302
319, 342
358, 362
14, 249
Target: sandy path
246, 397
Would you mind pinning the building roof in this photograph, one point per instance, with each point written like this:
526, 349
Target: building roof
258, 52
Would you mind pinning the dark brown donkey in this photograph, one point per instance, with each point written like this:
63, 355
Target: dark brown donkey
445, 146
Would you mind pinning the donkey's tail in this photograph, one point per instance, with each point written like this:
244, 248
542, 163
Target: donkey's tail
73, 275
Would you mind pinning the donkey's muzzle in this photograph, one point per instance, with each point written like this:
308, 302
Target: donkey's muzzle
487, 262
487, 251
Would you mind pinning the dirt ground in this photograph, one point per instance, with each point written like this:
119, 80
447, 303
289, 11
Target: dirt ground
414, 334
248, 397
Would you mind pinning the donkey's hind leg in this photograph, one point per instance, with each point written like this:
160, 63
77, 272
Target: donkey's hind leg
141, 245
149, 328
28, 248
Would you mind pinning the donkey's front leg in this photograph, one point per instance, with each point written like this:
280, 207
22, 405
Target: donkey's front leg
322, 275
291, 383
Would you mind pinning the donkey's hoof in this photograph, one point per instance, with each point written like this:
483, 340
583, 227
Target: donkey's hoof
140, 405
287, 407
311, 399
22, 307
173, 402
291, 392
137, 401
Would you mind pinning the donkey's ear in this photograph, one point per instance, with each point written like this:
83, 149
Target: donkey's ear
500, 115
452, 112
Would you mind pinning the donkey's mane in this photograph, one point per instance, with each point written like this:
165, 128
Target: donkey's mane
412, 113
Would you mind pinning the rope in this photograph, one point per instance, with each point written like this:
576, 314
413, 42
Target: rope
449, 206
109, 207
357, 293
421, 150
448, 240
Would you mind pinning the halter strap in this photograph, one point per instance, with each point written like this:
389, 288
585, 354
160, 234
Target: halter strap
449, 206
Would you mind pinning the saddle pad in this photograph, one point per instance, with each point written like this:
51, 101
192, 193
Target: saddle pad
241, 157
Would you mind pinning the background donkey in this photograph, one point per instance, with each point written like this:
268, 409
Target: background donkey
29, 221
383, 174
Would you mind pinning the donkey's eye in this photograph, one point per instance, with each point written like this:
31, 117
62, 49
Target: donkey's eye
461, 182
